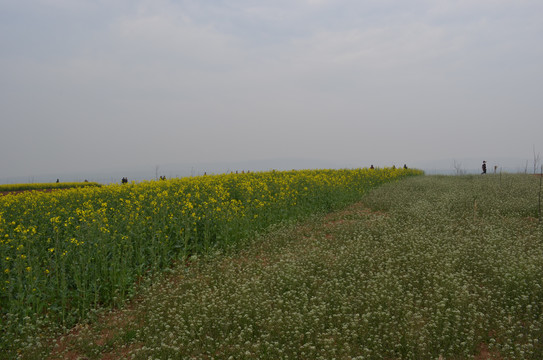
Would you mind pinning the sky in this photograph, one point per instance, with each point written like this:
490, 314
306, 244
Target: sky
120, 84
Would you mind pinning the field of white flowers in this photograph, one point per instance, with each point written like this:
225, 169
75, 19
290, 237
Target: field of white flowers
430, 267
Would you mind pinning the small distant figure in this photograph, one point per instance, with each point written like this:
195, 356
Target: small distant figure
124, 180
393, 167
405, 166
86, 180
371, 167
58, 181
495, 168
484, 168
163, 177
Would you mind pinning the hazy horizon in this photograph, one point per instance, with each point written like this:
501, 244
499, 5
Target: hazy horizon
177, 170
87, 86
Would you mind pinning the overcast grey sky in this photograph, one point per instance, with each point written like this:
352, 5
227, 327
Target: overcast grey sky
91, 85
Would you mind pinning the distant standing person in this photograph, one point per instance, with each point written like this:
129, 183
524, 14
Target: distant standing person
484, 168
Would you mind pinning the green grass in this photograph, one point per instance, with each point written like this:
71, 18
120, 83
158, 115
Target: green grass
426, 268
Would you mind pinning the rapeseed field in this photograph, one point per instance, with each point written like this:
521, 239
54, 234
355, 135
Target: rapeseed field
64, 254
